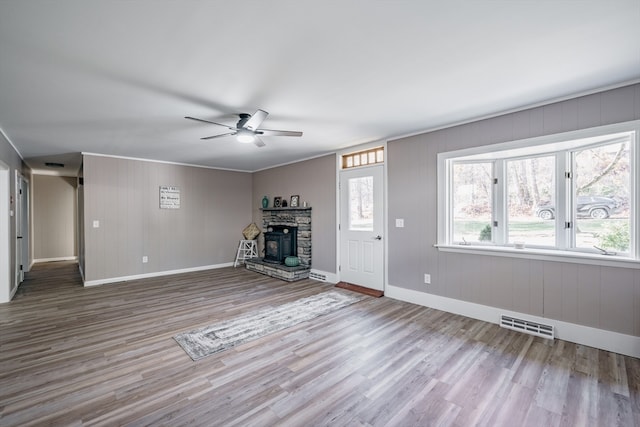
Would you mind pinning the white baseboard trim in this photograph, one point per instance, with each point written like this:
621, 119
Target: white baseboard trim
323, 276
154, 274
616, 342
62, 258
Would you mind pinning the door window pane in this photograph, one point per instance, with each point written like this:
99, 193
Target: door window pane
471, 202
361, 203
601, 205
531, 195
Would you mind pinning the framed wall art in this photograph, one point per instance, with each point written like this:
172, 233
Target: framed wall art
169, 197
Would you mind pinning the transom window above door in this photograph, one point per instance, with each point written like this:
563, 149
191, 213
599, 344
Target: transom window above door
363, 158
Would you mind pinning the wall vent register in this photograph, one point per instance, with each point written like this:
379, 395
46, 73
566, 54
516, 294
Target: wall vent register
528, 327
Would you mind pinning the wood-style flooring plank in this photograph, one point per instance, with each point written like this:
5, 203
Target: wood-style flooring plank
105, 355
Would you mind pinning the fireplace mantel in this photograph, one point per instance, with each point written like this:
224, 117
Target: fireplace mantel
288, 208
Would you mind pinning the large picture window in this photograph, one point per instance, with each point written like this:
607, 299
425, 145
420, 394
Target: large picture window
571, 193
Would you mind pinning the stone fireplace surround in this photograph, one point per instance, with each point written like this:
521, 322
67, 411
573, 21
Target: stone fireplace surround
291, 217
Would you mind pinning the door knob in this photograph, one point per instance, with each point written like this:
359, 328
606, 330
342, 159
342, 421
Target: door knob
378, 237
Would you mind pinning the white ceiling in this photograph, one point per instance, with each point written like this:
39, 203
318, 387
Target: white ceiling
117, 77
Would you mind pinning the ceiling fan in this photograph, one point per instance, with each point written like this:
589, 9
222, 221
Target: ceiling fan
247, 129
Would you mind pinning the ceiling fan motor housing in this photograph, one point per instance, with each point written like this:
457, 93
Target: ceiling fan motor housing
244, 117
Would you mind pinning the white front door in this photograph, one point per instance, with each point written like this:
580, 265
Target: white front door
361, 227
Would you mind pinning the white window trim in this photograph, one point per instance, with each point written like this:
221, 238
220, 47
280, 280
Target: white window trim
530, 146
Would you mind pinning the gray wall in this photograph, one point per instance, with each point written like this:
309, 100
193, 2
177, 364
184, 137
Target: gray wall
54, 217
315, 182
601, 297
123, 195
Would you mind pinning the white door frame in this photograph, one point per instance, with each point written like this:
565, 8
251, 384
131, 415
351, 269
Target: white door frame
26, 224
22, 228
339, 155
5, 238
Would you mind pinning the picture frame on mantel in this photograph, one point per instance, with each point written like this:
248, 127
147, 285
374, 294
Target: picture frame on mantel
295, 201
277, 202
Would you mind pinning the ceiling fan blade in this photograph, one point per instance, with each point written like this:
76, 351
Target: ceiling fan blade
218, 136
270, 132
209, 121
256, 120
258, 142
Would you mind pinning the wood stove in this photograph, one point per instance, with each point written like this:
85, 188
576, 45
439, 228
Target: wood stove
280, 242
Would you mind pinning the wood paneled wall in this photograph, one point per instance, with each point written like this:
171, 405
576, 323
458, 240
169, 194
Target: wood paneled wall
123, 195
315, 182
602, 297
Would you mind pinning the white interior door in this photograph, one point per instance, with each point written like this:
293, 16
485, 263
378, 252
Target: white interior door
361, 227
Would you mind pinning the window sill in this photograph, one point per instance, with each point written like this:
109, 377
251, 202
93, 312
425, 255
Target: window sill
543, 255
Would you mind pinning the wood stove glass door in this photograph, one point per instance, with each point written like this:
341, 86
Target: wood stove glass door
361, 227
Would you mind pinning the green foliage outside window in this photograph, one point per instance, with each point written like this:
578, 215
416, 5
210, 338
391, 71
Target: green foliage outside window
617, 238
485, 234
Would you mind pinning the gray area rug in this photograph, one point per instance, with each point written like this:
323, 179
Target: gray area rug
212, 339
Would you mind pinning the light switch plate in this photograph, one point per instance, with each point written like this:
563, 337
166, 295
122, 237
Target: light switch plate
96, 223
399, 222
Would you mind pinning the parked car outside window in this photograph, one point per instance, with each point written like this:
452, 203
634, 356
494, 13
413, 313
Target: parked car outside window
596, 207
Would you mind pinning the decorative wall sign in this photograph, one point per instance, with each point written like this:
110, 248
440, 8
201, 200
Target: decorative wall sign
277, 202
169, 197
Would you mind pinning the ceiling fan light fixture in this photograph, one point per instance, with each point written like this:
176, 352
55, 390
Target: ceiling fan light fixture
245, 136
247, 130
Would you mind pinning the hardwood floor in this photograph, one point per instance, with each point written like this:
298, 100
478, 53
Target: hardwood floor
105, 356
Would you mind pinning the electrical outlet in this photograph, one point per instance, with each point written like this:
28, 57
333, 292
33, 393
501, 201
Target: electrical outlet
427, 278
145, 259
